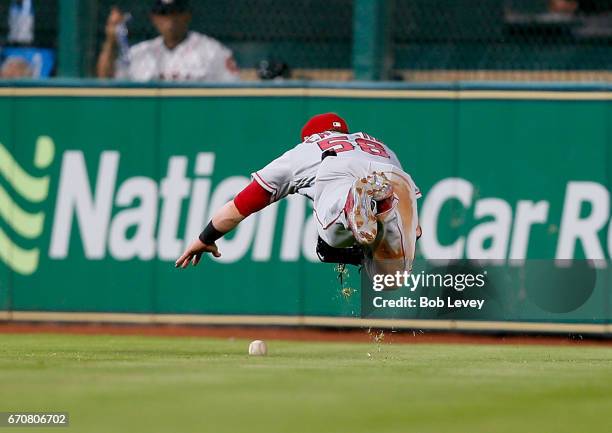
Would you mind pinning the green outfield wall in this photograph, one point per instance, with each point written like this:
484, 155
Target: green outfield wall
101, 187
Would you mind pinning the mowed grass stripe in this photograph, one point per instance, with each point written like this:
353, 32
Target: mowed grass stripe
151, 384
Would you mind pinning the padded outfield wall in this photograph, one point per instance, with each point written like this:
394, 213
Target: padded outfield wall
101, 187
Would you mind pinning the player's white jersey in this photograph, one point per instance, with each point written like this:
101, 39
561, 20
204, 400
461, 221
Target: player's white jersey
295, 170
197, 58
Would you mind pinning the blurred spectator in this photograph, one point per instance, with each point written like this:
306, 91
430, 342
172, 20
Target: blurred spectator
176, 55
273, 70
584, 7
595, 16
567, 7
39, 61
15, 68
21, 22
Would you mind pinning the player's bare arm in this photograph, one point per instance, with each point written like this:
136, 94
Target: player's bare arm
224, 221
251, 199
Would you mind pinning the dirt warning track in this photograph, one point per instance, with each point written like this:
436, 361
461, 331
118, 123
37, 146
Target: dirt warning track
297, 334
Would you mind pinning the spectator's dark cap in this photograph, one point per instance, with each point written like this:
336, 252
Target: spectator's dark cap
165, 7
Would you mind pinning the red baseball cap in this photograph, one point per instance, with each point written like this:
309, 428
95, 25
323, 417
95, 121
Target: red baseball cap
324, 122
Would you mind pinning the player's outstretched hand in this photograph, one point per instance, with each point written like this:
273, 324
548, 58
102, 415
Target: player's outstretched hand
193, 253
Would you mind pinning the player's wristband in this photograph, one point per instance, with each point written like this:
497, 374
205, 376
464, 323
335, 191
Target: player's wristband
210, 234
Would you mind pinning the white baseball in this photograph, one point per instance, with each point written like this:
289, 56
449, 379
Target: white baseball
258, 348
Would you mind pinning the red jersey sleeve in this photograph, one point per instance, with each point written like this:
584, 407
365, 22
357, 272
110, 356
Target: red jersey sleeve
252, 199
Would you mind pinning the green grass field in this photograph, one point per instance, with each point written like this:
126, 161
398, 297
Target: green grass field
148, 384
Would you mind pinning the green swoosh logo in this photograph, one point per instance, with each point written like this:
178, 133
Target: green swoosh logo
25, 224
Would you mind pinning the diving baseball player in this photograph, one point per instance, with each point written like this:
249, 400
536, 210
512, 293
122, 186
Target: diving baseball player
364, 203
